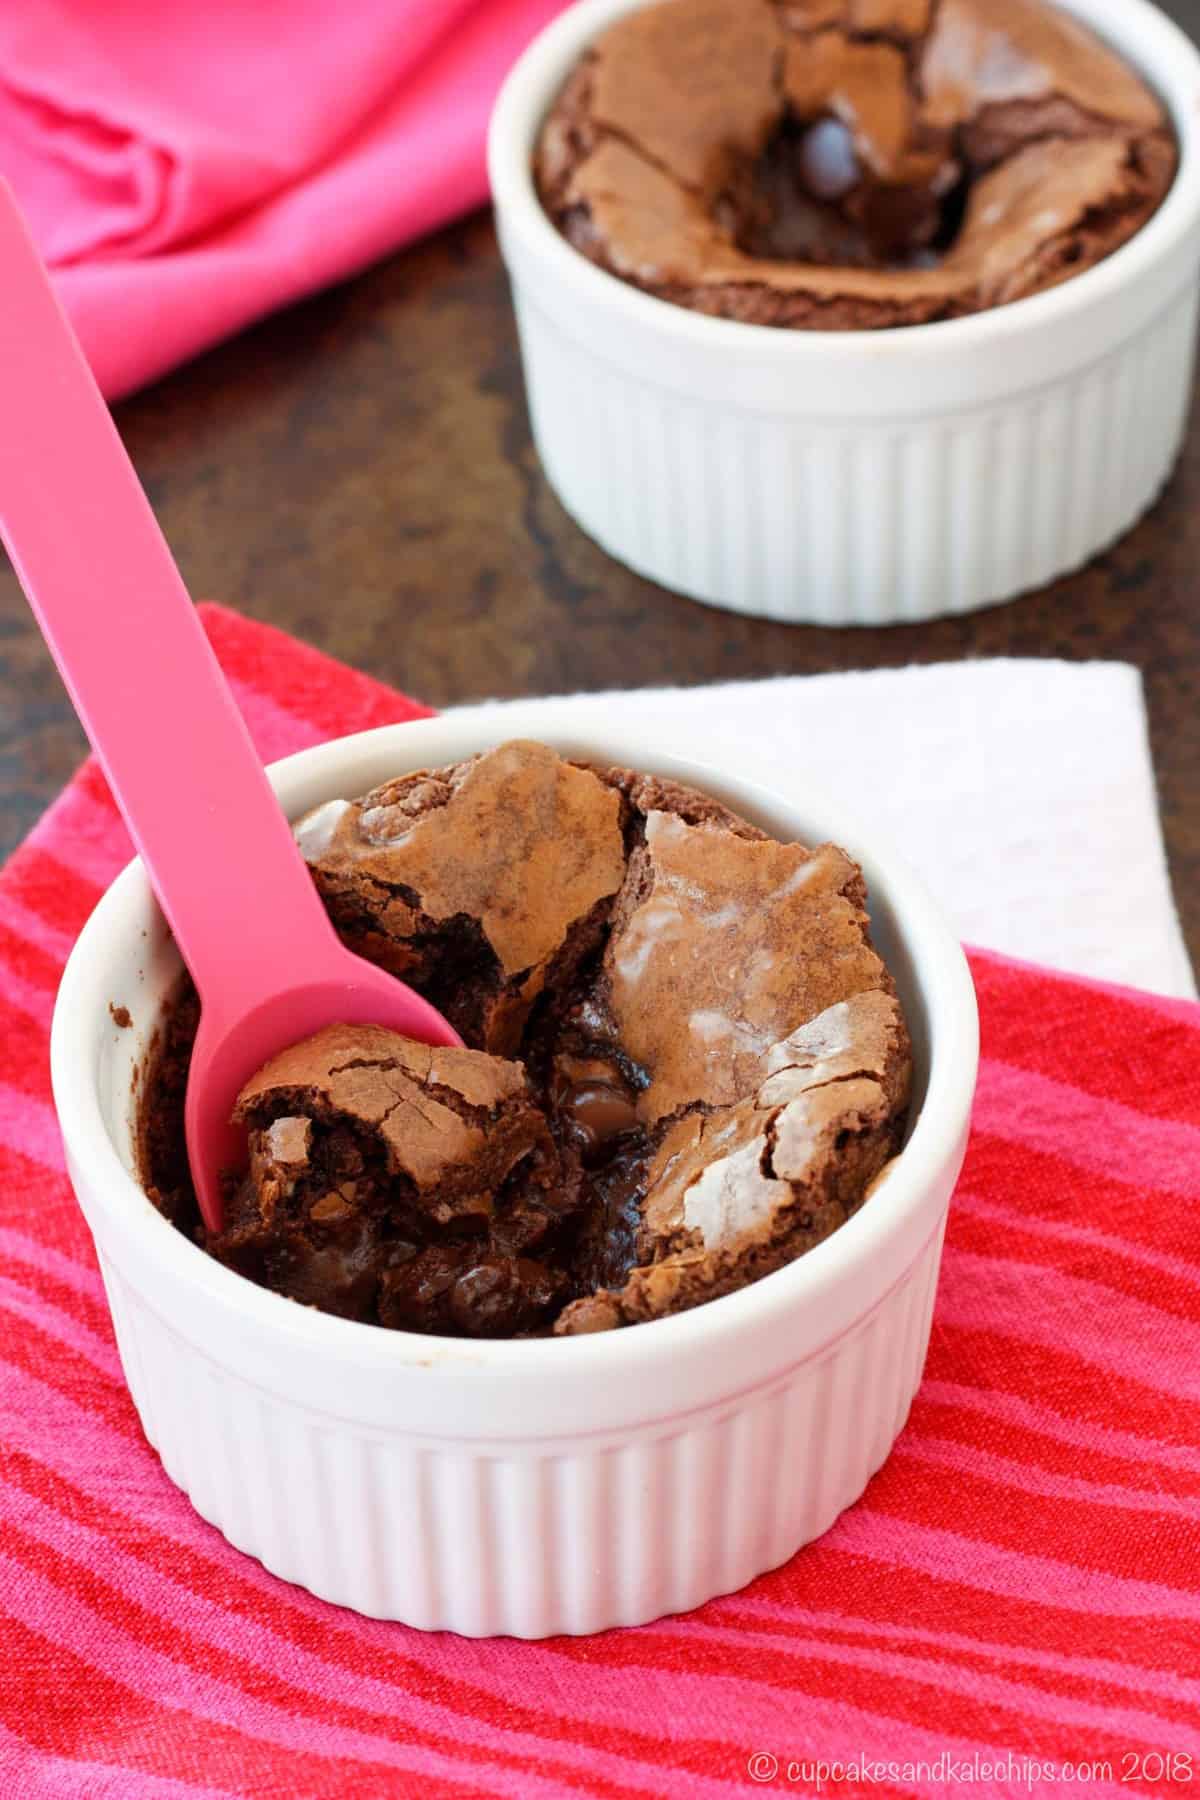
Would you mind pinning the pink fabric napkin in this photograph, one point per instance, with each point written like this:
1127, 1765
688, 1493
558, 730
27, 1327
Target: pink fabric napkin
188, 167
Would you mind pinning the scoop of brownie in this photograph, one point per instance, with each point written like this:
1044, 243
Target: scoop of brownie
399, 1183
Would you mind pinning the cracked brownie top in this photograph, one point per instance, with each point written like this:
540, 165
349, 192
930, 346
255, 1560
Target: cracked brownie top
837, 164
686, 1064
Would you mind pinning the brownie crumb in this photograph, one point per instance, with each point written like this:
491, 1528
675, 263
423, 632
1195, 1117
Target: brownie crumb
121, 1016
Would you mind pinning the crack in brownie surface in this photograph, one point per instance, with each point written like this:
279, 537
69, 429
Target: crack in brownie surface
685, 1060
849, 164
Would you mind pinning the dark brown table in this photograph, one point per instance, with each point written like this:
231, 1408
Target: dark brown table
359, 470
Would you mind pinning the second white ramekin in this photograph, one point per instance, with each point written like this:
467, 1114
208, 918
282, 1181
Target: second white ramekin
520, 1488
856, 478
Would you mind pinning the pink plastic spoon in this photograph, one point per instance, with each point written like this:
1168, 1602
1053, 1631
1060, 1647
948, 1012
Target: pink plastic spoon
117, 617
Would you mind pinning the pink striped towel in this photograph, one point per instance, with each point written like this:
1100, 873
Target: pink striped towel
1018, 1591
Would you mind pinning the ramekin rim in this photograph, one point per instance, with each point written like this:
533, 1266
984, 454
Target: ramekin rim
518, 114
942, 977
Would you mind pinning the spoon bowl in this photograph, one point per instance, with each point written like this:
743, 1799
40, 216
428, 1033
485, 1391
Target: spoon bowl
230, 1048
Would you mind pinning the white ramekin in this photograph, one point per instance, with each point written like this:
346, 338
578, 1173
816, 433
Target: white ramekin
856, 478
538, 1487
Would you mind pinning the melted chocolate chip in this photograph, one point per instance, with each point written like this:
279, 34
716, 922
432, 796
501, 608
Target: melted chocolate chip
470, 1292
596, 1103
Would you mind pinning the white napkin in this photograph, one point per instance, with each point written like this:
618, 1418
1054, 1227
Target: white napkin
1021, 790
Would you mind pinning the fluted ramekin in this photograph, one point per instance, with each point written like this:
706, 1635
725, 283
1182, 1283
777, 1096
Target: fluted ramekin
536, 1487
856, 478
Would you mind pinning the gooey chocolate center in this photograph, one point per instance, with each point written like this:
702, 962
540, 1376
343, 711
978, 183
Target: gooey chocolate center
810, 196
596, 1103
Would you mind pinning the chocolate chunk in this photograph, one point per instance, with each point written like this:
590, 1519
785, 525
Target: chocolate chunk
460, 1290
595, 1102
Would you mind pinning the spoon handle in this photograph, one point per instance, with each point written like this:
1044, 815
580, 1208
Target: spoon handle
113, 608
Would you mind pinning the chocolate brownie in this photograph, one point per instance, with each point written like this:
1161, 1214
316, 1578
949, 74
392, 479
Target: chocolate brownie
390, 1179
686, 1062
848, 164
